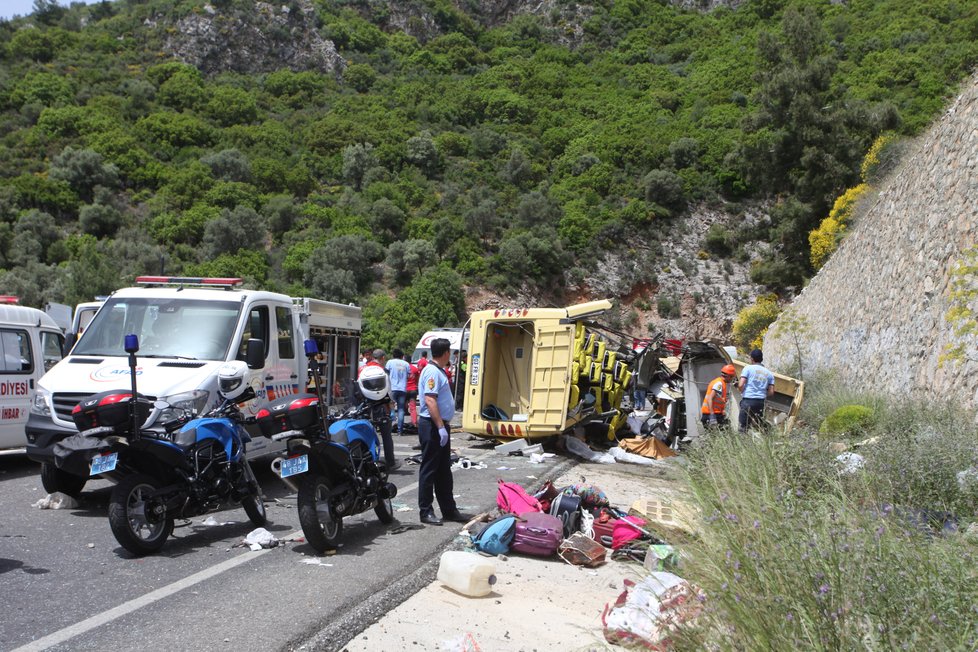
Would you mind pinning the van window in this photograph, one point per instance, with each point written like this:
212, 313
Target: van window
51, 344
286, 348
256, 326
15, 346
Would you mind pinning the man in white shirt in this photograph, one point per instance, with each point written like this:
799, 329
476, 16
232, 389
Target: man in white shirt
398, 370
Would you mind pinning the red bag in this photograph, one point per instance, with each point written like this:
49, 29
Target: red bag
604, 528
513, 499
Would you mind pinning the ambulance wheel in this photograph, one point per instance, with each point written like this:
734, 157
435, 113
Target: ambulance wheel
54, 480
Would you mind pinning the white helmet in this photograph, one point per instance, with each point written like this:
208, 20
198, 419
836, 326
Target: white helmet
231, 379
373, 383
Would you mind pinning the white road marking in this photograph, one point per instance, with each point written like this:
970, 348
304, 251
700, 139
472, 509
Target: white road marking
108, 616
98, 620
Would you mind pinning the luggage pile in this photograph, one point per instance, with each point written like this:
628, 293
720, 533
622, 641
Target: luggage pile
576, 523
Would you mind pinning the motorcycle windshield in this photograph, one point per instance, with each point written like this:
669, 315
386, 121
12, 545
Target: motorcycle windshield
183, 328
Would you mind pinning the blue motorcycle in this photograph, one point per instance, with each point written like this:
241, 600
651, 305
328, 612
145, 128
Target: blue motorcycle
333, 461
195, 466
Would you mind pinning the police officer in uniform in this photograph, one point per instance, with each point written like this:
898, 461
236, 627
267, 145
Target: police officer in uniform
434, 423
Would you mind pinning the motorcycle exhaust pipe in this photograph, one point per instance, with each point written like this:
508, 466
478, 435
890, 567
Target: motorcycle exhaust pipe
277, 470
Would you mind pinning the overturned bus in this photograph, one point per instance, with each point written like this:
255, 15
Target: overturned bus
536, 372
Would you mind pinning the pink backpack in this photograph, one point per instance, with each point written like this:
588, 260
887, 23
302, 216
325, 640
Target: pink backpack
512, 498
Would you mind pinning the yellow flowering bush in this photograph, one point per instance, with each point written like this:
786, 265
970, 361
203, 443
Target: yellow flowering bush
752, 322
825, 239
874, 156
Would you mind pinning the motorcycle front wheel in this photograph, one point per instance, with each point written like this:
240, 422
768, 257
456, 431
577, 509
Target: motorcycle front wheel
385, 510
321, 526
254, 507
134, 523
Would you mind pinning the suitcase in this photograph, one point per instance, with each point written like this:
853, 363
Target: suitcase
604, 530
568, 509
537, 534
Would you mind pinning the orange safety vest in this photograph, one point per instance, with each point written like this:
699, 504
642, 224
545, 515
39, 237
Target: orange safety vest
719, 402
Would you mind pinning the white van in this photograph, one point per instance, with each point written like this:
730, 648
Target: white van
457, 337
187, 329
30, 344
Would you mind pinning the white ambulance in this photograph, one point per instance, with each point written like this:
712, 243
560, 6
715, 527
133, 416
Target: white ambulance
187, 329
30, 344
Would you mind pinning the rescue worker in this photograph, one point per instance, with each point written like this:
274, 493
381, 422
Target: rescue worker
713, 413
756, 385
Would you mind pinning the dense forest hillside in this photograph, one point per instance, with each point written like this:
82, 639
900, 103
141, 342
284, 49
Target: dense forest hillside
417, 156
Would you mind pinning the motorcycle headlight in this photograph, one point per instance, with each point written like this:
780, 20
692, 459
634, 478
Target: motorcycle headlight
180, 404
41, 403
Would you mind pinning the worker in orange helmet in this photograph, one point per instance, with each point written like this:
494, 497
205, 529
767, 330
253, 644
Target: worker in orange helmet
713, 414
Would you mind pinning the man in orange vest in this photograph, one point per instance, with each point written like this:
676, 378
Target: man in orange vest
714, 411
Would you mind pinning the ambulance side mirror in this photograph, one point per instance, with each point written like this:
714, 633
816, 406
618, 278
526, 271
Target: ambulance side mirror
255, 354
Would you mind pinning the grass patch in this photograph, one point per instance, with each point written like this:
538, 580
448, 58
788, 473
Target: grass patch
794, 555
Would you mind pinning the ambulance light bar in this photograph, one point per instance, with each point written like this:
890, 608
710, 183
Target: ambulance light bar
182, 281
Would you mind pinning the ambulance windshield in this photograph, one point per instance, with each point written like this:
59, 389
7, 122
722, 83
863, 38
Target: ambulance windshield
167, 328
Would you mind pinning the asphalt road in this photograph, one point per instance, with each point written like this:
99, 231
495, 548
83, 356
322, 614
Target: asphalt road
66, 584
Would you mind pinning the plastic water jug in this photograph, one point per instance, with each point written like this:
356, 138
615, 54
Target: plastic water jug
466, 572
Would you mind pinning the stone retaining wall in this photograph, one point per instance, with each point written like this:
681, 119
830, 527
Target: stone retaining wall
877, 308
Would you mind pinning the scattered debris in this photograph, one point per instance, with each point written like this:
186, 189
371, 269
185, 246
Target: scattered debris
466, 464
260, 538
581, 550
668, 514
851, 463
464, 643
579, 448
512, 446
312, 561
210, 521
660, 557
646, 612
57, 500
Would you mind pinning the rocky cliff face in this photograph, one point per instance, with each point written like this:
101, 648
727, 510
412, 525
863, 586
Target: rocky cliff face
878, 309
565, 20
687, 295
267, 38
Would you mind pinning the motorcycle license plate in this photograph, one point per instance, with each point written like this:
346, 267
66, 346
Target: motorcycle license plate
295, 465
104, 463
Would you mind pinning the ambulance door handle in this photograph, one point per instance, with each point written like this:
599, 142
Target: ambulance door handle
293, 376
269, 377
32, 383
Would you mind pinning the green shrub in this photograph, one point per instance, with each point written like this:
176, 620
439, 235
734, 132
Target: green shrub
848, 420
791, 555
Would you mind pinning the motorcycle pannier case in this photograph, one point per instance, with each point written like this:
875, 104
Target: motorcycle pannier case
108, 409
299, 412
538, 534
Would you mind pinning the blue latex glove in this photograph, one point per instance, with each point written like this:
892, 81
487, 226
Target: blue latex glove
443, 436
